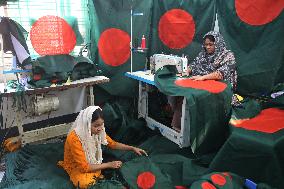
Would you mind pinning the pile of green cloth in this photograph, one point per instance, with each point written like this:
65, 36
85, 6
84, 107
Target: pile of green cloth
58, 68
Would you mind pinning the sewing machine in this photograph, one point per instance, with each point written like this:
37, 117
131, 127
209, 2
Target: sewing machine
157, 61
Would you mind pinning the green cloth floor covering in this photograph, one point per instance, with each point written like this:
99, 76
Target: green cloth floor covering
34, 166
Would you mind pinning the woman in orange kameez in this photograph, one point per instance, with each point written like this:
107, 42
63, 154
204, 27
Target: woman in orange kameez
83, 152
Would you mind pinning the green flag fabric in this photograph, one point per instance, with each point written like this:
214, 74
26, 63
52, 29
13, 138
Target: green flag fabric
57, 69
255, 150
35, 166
209, 113
219, 180
110, 41
177, 27
145, 170
248, 109
253, 30
107, 184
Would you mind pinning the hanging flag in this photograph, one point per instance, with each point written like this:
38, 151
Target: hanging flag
253, 30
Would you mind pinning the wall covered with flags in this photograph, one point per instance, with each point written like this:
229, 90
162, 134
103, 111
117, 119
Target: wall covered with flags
172, 27
253, 30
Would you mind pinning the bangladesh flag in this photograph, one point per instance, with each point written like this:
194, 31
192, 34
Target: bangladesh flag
254, 32
110, 39
178, 26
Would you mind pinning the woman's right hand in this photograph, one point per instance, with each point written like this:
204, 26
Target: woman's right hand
188, 71
115, 164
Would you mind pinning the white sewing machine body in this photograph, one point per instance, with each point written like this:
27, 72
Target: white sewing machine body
157, 61
146, 82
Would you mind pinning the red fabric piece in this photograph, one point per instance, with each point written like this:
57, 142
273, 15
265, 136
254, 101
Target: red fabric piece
211, 86
52, 35
180, 187
176, 28
37, 77
114, 46
146, 180
227, 175
269, 120
218, 179
207, 185
258, 12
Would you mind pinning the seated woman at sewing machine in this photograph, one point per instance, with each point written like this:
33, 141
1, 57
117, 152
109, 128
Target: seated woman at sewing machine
83, 152
214, 62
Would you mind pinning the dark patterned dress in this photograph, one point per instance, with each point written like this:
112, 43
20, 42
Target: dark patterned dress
222, 61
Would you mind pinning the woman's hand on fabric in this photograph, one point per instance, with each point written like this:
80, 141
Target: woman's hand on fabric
115, 164
140, 151
198, 78
189, 71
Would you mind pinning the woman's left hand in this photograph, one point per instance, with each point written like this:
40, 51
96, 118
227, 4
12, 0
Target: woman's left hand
197, 78
140, 151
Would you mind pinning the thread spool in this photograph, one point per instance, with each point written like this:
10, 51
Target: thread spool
143, 42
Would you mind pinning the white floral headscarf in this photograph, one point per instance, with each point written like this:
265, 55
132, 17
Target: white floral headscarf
91, 143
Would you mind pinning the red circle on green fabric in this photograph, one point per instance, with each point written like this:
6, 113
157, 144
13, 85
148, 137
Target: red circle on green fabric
211, 86
146, 180
180, 187
227, 175
258, 12
218, 179
176, 28
52, 35
114, 46
207, 185
269, 120
36, 77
